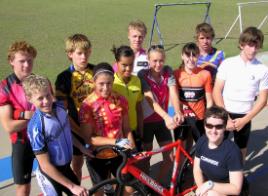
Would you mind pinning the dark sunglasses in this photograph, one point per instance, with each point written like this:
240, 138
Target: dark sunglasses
210, 126
155, 47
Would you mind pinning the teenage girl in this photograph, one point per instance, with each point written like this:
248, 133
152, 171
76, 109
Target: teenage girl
129, 86
104, 121
159, 86
195, 93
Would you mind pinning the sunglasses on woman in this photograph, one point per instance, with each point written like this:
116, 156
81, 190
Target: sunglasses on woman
211, 126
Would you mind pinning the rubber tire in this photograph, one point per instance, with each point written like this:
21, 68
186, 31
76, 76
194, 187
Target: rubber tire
186, 177
119, 190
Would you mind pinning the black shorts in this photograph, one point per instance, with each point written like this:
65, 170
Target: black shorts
240, 137
100, 169
137, 140
157, 129
22, 162
76, 151
50, 186
190, 126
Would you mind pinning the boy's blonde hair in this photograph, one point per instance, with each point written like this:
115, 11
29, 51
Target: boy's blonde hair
77, 41
21, 46
138, 25
35, 83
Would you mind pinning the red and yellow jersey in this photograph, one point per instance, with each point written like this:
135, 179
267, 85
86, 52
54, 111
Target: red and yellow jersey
104, 114
192, 91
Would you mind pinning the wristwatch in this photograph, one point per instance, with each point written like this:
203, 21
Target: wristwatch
210, 184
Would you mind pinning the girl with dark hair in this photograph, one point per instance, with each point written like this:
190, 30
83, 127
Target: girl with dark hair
104, 121
129, 86
195, 88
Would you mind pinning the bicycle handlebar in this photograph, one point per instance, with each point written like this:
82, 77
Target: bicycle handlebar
123, 152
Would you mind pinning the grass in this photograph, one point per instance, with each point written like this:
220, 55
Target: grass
46, 24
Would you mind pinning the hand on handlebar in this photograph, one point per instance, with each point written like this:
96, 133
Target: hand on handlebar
170, 123
79, 190
87, 151
123, 143
178, 118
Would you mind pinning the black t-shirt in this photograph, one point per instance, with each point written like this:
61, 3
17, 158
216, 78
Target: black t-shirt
217, 163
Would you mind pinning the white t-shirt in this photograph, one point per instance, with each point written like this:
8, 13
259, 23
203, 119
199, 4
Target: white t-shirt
243, 81
140, 62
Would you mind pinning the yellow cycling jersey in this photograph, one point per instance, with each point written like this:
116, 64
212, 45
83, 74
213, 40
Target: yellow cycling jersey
132, 92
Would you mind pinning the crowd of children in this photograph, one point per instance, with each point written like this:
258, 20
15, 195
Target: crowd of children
126, 104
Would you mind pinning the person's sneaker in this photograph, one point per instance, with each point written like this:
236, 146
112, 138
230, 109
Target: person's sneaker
108, 189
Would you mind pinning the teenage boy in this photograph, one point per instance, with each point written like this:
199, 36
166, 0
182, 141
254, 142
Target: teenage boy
210, 58
73, 85
15, 111
136, 35
49, 133
239, 80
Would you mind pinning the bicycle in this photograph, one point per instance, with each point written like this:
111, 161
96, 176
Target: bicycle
139, 179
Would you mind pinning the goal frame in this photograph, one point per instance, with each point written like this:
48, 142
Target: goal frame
239, 17
155, 24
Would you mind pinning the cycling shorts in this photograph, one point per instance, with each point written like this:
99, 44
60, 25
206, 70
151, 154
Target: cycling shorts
22, 162
137, 140
100, 169
50, 187
77, 151
190, 126
157, 129
240, 137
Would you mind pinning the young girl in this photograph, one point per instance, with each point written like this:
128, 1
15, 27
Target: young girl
104, 121
195, 90
129, 86
158, 85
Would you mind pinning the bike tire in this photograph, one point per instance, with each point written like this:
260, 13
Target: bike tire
185, 178
118, 188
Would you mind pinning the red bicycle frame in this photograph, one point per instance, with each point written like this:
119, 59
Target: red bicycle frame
130, 168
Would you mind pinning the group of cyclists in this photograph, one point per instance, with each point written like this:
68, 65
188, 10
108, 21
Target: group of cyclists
126, 104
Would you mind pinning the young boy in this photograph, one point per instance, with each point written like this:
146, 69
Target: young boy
49, 133
210, 58
239, 80
73, 85
15, 111
136, 35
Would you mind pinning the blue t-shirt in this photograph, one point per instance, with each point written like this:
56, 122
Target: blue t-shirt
217, 163
51, 135
215, 57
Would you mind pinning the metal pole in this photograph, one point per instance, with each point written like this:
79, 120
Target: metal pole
235, 21
152, 30
207, 18
240, 18
262, 22
158, 6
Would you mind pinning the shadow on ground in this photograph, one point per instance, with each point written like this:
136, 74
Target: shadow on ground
256, 167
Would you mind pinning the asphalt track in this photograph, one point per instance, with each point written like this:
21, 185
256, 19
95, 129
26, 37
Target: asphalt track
256, 167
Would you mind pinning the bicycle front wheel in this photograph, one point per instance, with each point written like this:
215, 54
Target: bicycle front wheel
186, 177
116, 188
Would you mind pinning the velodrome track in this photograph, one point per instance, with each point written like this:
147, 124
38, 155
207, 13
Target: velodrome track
256, 167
